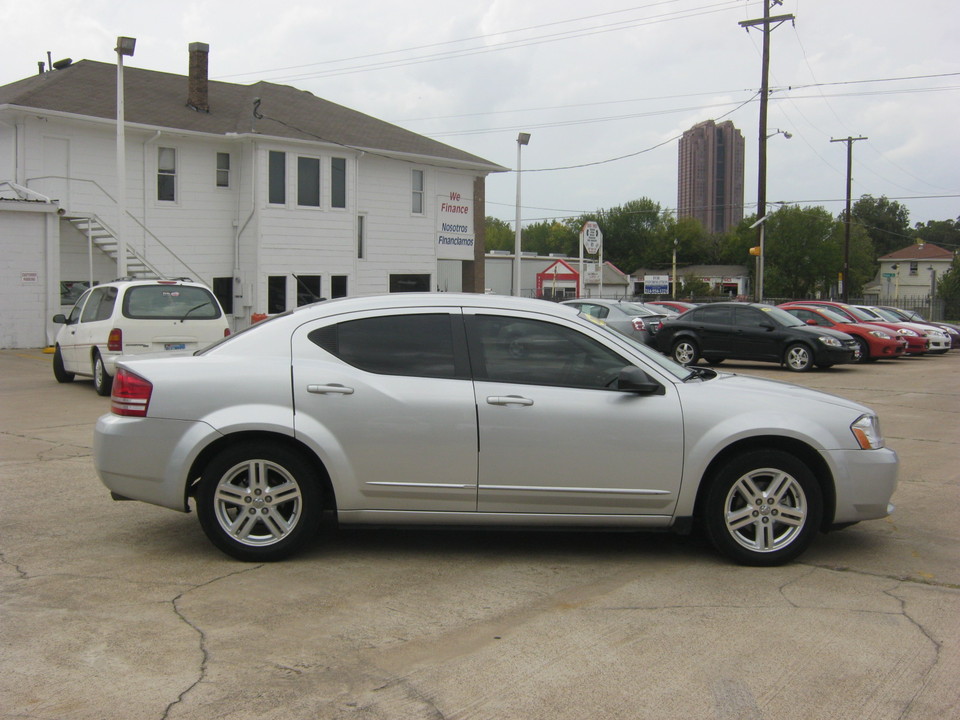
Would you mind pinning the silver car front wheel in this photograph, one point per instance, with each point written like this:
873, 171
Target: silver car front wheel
763, 508
259, 502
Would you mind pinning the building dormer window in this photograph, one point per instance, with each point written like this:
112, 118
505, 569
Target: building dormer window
166, 174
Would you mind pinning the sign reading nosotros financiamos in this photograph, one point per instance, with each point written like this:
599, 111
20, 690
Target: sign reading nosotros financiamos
455, 236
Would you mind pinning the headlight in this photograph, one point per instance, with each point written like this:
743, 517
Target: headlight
831, 341
950, 331
880, 334
866, 430
907, 332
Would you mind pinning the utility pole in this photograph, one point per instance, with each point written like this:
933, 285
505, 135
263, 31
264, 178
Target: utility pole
844, 289
767, 23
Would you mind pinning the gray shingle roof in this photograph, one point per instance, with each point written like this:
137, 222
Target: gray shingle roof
158, 99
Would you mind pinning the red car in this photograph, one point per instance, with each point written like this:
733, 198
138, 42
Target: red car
875, 342
917, 344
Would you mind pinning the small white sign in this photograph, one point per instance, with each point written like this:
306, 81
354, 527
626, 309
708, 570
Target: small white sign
29, 278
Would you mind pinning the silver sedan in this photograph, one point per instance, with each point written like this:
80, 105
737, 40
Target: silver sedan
473, 410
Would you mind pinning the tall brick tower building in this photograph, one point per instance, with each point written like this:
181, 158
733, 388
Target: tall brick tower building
710, 177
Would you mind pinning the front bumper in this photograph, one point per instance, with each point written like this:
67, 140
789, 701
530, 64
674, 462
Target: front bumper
864, 484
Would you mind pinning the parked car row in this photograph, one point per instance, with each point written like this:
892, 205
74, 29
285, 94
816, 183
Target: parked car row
799, 334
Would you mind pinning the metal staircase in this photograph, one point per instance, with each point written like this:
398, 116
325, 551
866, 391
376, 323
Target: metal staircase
102, 237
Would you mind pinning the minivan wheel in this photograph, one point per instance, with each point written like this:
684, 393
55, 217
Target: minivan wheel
798, 358
258, 502
102, 381
764, 507
59, 371
686, 352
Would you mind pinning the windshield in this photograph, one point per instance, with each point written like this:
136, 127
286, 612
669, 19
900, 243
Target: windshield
887, 315
833, 315
782, 317
859, 314
636, 310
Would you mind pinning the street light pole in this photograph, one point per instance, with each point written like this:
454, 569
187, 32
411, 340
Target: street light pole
125, 46
522, 139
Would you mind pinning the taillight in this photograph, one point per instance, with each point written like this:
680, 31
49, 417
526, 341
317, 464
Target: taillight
226, 332
115, 340
131, 394
638, 325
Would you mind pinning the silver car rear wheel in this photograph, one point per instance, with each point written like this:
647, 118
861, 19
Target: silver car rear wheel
259, 502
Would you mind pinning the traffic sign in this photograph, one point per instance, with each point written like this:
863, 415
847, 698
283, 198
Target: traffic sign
591, 237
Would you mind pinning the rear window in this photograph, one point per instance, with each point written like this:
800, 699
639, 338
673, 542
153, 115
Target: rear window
170, 302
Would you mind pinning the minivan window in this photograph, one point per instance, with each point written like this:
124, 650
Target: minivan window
100, 305
169, 302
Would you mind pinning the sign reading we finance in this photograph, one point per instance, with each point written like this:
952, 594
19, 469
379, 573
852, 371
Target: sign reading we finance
455, 236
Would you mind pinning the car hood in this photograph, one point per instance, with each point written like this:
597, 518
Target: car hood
818, 331
761, 391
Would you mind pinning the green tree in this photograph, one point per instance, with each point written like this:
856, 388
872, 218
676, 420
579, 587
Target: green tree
803, 252
548, 237
887, 222
499, 234
948, 289
945, 233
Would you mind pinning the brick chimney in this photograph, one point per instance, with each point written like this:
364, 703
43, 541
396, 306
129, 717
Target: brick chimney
197, 95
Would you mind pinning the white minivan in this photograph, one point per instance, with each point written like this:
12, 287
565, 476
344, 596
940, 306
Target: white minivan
133, 317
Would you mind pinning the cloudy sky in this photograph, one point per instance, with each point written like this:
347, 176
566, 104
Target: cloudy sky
604, 88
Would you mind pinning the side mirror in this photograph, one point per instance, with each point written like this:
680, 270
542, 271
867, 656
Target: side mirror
768, 326
60, 319
633, 379
811, 322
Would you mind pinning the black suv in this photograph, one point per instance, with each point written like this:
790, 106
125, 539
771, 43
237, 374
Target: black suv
741, 331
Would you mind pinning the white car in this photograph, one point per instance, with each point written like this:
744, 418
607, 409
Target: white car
477, 410
132, 317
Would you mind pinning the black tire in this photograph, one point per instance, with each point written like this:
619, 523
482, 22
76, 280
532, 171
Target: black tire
685, 351
239, 507
102, 381
798, 357
713, 360
763, 508
864, 350
59, 371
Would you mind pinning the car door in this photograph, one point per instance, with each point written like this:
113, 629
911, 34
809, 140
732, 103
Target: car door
755, 336
388, 403
713, 329
95, 325
554, 437
67, 337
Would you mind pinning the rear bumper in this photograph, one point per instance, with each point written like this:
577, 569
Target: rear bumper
157, 472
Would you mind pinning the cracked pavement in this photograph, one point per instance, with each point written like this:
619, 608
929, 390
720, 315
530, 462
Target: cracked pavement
123, 610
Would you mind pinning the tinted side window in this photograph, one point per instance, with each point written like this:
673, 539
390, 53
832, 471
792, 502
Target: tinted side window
714, 315
170, 302
100, 305
518, 350
749, 317
417, 345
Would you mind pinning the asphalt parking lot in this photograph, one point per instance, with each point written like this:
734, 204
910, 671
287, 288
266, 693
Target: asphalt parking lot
123, 610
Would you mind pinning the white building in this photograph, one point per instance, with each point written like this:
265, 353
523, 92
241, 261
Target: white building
271, 196
910, 273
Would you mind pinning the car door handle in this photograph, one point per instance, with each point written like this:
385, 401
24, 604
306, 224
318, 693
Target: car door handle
508, 400
332, 389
